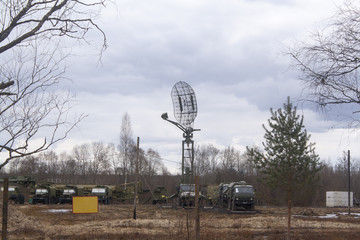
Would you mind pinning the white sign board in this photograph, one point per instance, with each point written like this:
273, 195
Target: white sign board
338, 199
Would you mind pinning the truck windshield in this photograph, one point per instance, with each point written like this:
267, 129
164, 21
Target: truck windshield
10, 189
69, 191
41, 190
98, 190
244, 190
188, 188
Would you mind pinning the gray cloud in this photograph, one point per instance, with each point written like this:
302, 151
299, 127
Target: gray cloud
230, 52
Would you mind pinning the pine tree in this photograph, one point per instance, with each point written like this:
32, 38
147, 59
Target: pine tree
288, 159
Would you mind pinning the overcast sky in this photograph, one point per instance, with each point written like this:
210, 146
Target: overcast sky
232, 54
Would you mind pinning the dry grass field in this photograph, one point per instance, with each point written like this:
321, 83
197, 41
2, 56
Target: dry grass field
116, 222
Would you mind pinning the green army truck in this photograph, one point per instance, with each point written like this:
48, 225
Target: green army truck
15, 194
47, 193
159, 195
124, 193
68, 192
104, 194
240, 195
212, 195
223, 194
19, 188
186, 195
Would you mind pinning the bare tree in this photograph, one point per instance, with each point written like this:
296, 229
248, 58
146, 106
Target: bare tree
68, 166
32, 106
202, 160
51, 160
126, 145
114, 158
99, 162
82, 155
329, 62
153, 162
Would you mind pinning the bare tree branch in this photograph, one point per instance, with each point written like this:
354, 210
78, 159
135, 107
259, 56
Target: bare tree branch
26, 19
329, 64
34, 109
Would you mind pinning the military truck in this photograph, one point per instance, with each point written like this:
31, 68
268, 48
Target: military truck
124, 193
104, 194
159, 195
240, 195
223, 194
186, 195
19, 188
67, 193
15, 195
212, 195
47, 193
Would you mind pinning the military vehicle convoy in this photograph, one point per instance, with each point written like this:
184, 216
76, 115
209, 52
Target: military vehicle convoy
232, 196
48, 193
22, 189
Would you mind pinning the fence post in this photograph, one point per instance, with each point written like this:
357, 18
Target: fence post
5, 209
197, 209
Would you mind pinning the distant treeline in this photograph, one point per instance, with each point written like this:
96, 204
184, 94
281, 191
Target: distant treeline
99, 163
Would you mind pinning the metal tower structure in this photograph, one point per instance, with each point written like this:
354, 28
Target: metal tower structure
185, 112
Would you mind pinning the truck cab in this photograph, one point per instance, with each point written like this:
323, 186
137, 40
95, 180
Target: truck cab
187, 195
241, 195
103, 193
67, 193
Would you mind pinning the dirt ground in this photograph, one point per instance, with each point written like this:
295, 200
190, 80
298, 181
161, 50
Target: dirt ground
154, 222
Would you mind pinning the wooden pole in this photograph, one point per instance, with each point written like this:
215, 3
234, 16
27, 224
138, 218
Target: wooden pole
5, 209
197, 209
349, 203
136, 175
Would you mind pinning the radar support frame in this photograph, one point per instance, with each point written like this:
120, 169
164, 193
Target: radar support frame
185, 111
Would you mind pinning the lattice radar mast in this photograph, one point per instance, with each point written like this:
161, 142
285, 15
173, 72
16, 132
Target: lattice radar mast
185, 112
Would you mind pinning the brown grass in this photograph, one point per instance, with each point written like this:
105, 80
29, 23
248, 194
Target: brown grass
115, 222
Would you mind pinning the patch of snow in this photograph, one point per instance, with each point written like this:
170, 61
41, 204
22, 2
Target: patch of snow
57, 210
332, 215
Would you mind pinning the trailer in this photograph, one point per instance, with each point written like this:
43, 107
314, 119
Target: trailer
339, 199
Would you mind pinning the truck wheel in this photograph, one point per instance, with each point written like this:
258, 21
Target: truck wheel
21, 199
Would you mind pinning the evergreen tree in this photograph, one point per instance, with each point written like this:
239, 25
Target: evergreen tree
288, 159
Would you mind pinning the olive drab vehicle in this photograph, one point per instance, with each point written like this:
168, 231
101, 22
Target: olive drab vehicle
212, 194
223, 194
240, 195
68, 192
124, 193
19, 188
15, 194
186, 195
159, 195
104, 194
47, 193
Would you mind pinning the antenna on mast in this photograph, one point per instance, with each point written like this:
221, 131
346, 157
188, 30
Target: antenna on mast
185, 112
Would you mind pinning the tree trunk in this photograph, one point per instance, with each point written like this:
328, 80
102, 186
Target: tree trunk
289, 196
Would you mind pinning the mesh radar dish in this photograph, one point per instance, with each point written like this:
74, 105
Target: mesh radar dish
184, 102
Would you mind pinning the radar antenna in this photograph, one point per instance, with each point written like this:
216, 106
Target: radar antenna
185, 112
